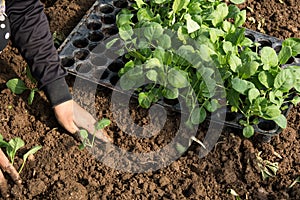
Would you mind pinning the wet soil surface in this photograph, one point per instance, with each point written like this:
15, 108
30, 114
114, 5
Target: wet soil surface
61, 171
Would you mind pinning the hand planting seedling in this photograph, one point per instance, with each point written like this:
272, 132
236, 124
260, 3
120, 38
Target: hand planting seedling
13, 146
84, 133
252, 76
17, 86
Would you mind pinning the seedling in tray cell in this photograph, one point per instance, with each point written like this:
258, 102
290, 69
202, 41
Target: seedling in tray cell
86, 142
258, 81
13, 146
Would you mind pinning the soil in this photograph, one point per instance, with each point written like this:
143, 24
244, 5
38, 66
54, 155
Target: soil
61, 171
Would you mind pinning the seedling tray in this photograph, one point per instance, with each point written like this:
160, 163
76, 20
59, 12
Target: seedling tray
84, 55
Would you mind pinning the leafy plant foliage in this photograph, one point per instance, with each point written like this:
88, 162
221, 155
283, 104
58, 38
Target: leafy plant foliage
157, 37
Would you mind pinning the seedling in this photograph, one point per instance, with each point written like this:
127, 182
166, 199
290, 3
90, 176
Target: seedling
17, 86
58, 38
232, 192
84, 133
267, 168
295, 181
252, 76
13, 146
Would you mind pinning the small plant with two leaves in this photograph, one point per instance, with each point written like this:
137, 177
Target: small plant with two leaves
255, 82
86, 142
13, 146
17, 86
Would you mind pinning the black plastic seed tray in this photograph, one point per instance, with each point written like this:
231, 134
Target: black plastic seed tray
83, 54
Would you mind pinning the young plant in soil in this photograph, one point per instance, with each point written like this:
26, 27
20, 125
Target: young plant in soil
13, 146
84, 133
17, 86
253, 77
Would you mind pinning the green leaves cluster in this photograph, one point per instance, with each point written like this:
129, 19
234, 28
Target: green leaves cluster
13, 146
157, 36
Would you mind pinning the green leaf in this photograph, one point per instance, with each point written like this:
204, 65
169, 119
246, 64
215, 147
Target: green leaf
266, 79
83, 133
81, 146
177, 78
248, 69
219, 14
144, 100
152, 63
284, 80
15, 144
124, 18
140, 3
253, 93
295, 100
3, 143
16, 85
164, 41
237, 1
240, 18
152, 31
178, 5
248, 131
269, 57
102, 123
32, 151
152, 75
159, 1
31, 96
233, 98
285, 54
234, 62
212, 106
281, 121
144, 14
191, 25
126, 32
241, 86
198, 115
294, 43
272, 111
170, 93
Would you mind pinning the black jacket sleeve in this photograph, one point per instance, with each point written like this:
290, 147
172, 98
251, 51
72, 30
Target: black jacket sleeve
30, 33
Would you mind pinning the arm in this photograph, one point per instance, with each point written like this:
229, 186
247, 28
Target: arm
31, 35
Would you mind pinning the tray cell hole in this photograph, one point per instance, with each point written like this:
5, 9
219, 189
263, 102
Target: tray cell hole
81, 54
267, 125
99, 61
83, 68
264, 43
110, 31
114, 79
230, 116
278, 48
67, 61
94, 26
92, 46
121, 3
116, 66
100, 74
171, 102
108, 19
106, 9
95, 36
250, 36
80, 43
291, 60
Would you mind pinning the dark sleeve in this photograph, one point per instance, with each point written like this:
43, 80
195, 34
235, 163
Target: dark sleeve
30, 33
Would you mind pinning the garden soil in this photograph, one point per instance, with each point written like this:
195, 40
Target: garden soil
61, 171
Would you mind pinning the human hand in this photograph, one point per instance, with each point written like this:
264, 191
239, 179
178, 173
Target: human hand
6, 166
72, 117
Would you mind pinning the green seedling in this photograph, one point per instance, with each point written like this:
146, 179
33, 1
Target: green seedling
13, 146
233, 193
267, 168
252, 76
17, 86
84, 133
295, 181
58, 38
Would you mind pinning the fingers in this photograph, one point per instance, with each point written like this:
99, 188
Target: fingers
3, 185
7, 167
64, 115
85, 120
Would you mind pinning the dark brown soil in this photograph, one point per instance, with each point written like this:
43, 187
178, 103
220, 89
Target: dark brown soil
61, 171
